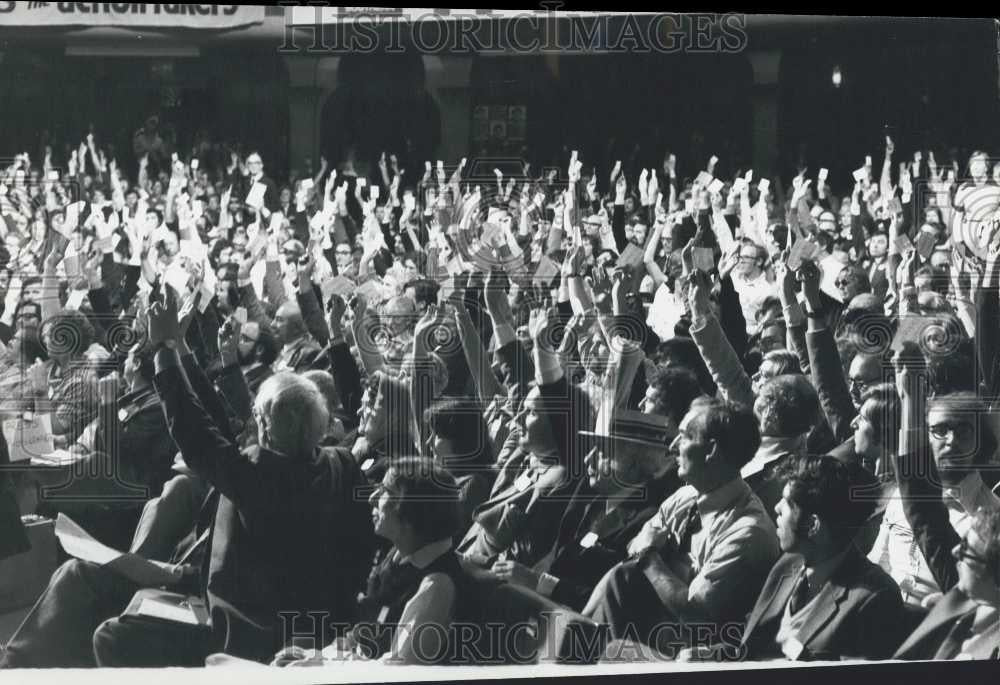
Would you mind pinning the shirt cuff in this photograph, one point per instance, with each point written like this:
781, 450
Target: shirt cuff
546, 584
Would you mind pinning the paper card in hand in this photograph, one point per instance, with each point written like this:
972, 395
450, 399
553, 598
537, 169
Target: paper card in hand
704, 259
194, 164
802, 251
75, 299
816, 211
337, 285
763, 185
860, 174
72, 219
546, 271
739, 185
823, 173
28, 437
108, 243
632, 256
704, 179
716, 186
177, 277
240, 315
926, 242
255, 198
830, 267
903, 243
894, 206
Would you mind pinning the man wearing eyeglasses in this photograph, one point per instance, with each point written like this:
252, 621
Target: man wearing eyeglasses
965, 623
345, 261
255, 174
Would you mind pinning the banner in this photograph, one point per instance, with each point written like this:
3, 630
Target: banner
307, 15
129, 14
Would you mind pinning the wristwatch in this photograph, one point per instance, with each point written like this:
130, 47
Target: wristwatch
818, 314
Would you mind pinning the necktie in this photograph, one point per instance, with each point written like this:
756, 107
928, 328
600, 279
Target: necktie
960, 632
800, 595
691, 525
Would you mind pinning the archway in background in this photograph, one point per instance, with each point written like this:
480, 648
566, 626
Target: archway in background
381, 104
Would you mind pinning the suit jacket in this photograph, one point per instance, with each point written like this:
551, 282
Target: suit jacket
831, 385
580, 568
927, 639
299, 355
13, 538
289, 533
856, 614
133, 434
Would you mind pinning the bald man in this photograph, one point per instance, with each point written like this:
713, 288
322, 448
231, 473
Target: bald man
299, 349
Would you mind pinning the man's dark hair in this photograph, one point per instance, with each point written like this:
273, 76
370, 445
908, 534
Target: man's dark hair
682, 351
462, 423
424, 290
267, 346
828, 488
787, 406
429, 497
217, 248
678, 388
732, 426
144, 361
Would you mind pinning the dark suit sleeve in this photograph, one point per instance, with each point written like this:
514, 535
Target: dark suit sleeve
797, 340
207, 395
828, 377
234, 391
210, 453
312, 314
13, 538
347, 377
879, 625
920, 492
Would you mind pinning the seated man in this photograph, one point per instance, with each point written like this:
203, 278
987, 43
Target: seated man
629, 476
419, 581
965, 623
704, 556
287, 533
824, 599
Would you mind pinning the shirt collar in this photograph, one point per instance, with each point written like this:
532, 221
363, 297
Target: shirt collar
428, 554
971, 493
770, 450
819, 574
723, 497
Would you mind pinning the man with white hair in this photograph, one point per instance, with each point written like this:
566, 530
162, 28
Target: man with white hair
283, 534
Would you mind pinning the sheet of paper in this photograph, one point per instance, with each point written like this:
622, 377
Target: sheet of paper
80, 544
764, 185
903, 243
823, 173
177, 277
28, 437
255, 198
75, 299
860, 174
926, 242
168, 612
831, 267
704, 258
801, 251
58, 458
704, 179
715, 186
546, 271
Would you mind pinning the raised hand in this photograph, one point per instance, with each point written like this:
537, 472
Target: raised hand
162, 313
808, 275
229, 341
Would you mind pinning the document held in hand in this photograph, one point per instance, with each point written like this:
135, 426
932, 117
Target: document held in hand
28, 437
255, 198
80, 544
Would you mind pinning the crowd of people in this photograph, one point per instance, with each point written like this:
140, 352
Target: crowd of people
700, 416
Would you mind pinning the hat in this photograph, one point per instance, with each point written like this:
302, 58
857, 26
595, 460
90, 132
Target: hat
635, 428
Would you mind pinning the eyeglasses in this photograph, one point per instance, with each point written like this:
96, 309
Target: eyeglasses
841, 282
747, 258
956, 429
859, 385
964, 553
